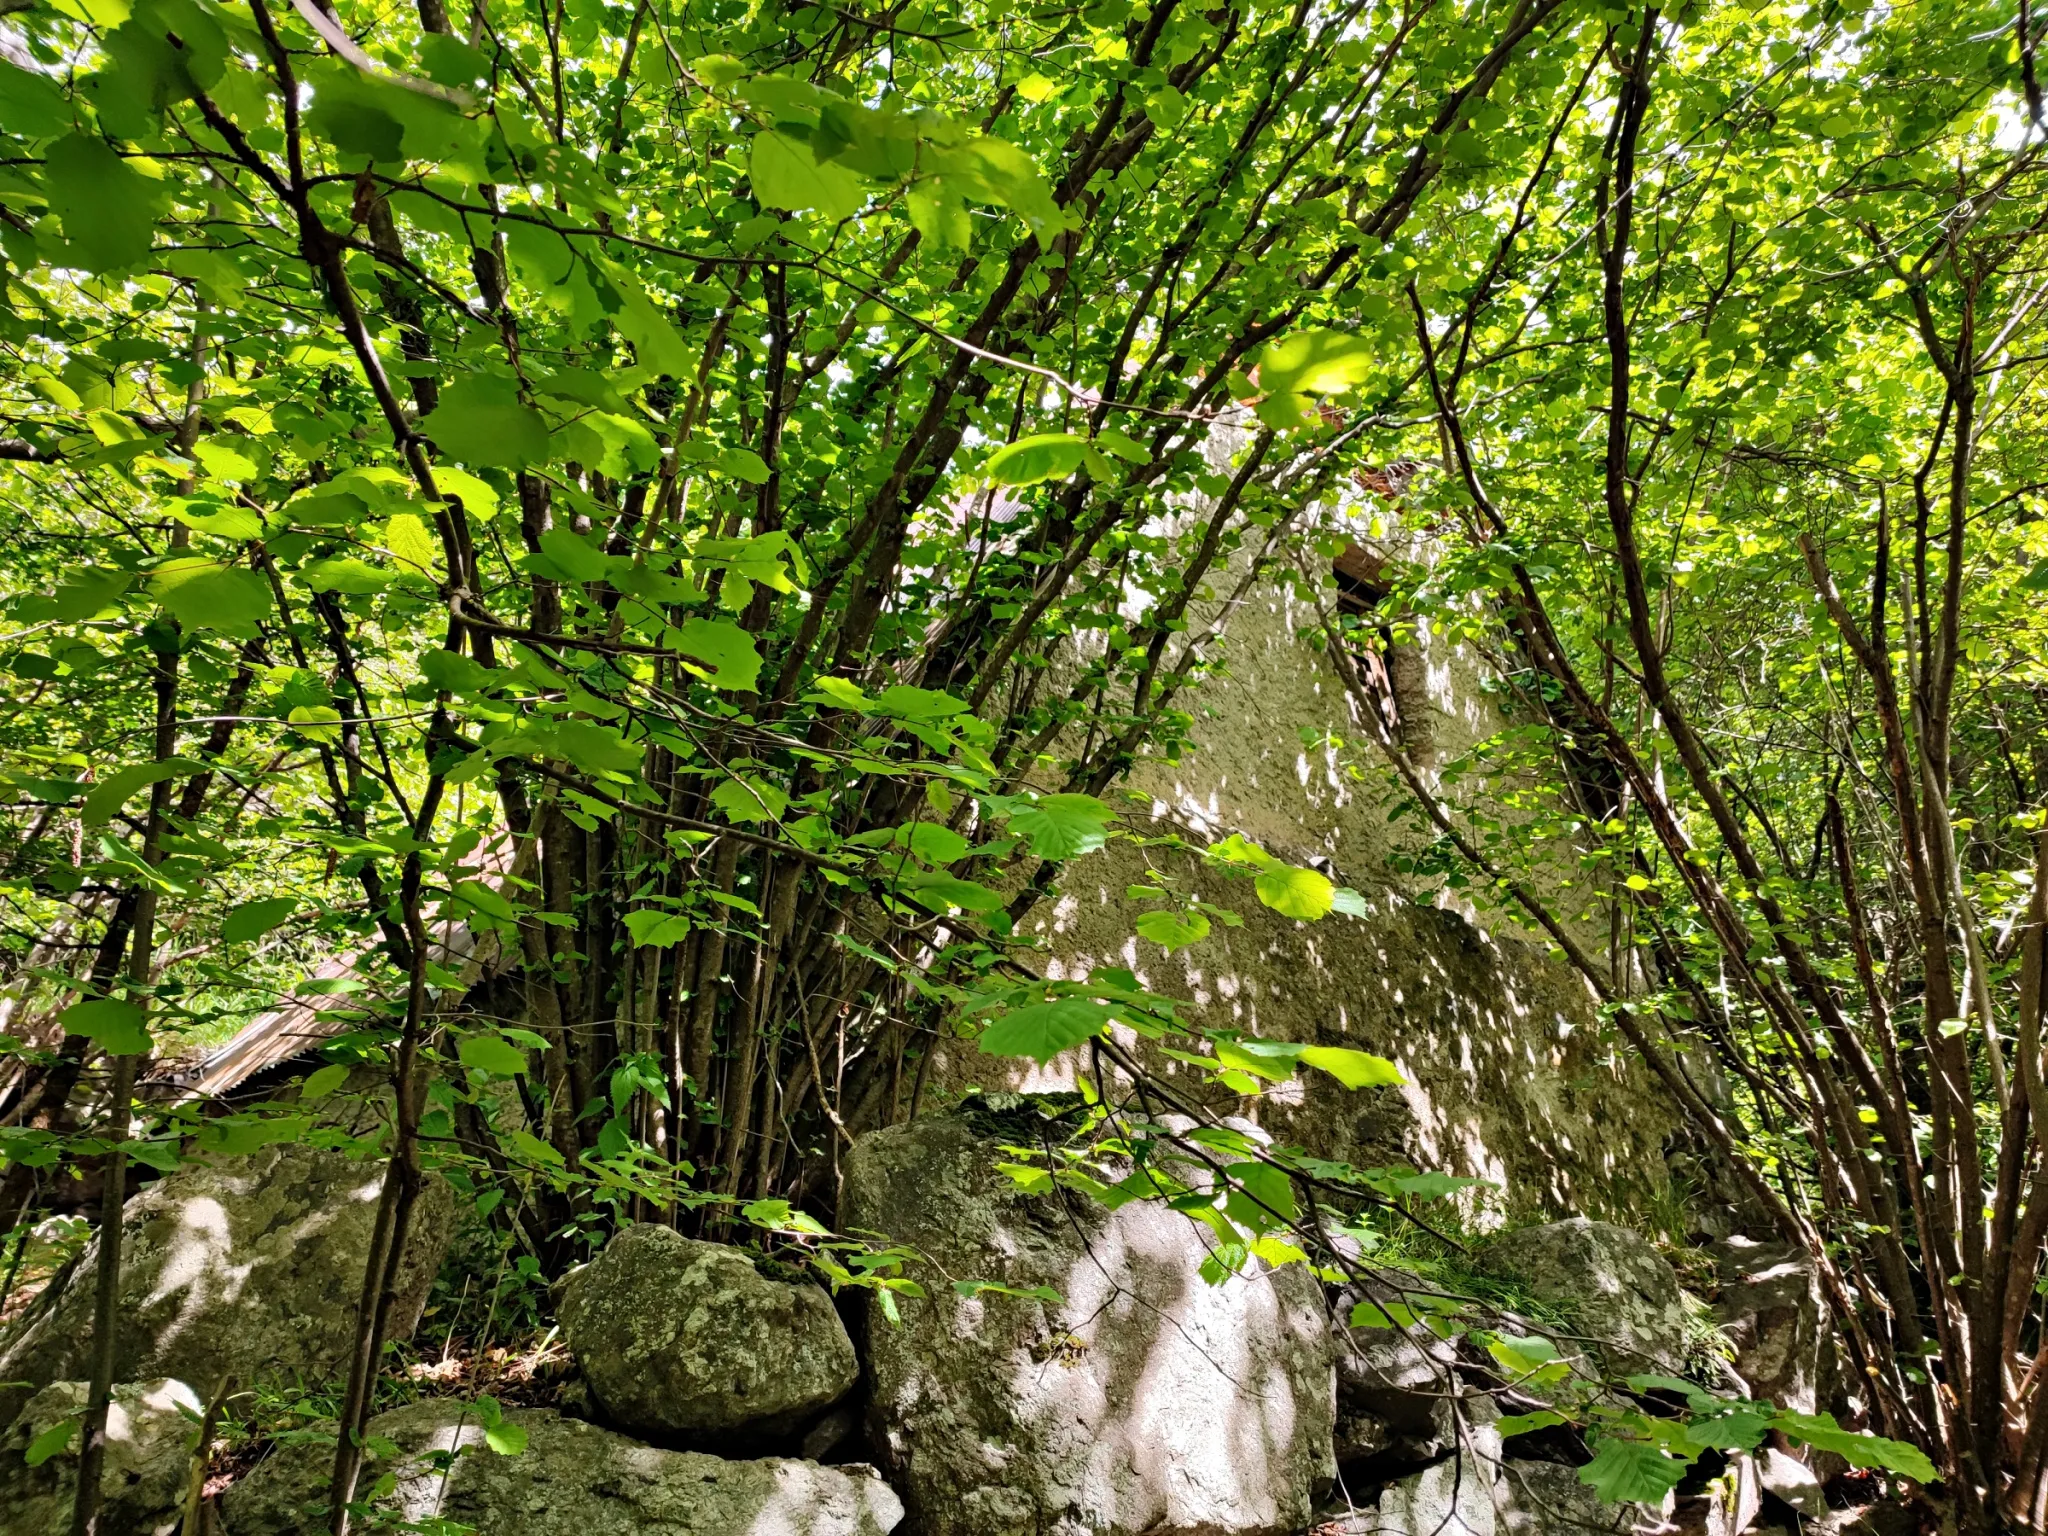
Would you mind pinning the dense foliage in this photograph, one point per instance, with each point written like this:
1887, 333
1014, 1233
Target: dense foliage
612, 552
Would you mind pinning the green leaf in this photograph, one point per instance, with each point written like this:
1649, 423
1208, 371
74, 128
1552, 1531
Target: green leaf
1311, 362
478, 496
108, 208
742, 464
480, 897
83, 594
572, 555
726, 650
32, 106
903, 702
481, 421
453, 672
506, 1439
1237, 851
592, 747
1522, 1423
236, 523
659, 345
112, 1023
532, 1149
322, 1081
359, 128
1172, 931
1741, 1430
53, 1441
346, 574
1374, 1314
164, 1154
1292, 892
410, 542
943, 892
1631, 1472
1354, 1069
717, 70
116, 790
838, 693
1062, 826
777, 1216
936, 845
1522, 1356
253, 919
1271, 1059
1820, 1431
1042, 1030
1045, 1293
1029, 460
785, 174
205, 594
316, 722
745, 800
1265, 1198
1123, 445
492, 1053
228, 460
653, 928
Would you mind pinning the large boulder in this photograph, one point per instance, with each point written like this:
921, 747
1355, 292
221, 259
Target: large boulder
571, 1479
1613, 1283
251, 1267
1457, 1496
150, 1429
1772, 1311
684, 1339
1143, 1399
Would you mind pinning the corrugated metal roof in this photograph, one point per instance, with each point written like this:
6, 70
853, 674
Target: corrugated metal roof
301, 1023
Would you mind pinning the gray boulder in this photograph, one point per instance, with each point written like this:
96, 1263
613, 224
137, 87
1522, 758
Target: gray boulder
1790, 1479
1615, 1285
1456, 1496
572, 1479
1453, 1498
251, 1266
142, 1481
1772, 1311
1145, 1399
1546, 1498
689, 1339
1886, 1519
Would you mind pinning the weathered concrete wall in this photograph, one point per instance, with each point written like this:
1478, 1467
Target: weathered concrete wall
1508, 1077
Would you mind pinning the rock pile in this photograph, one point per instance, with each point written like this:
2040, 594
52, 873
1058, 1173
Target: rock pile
569, 1479
1067, 1370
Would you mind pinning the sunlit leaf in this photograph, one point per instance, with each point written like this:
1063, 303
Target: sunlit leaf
1042, 1030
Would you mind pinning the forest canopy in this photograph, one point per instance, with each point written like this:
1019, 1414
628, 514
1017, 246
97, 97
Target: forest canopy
608, 555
